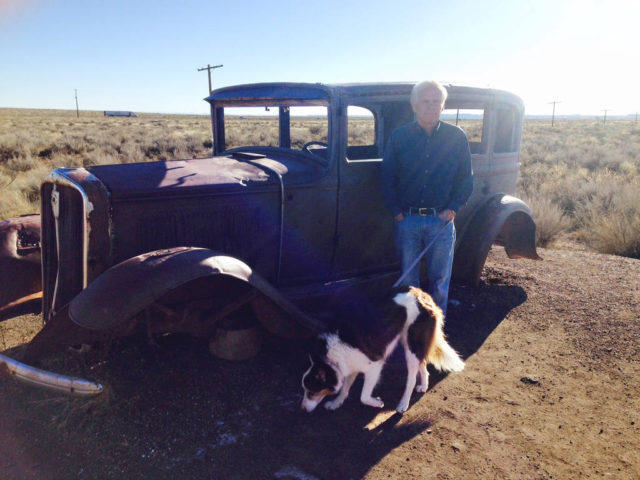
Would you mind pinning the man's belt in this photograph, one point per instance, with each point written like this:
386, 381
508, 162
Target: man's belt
422, 211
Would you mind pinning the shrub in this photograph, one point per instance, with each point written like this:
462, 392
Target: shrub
610, 219
591, 174
550, 220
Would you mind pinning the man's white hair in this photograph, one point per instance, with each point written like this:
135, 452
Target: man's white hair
419, 87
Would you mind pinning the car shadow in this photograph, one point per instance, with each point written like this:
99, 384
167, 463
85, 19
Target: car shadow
177, 412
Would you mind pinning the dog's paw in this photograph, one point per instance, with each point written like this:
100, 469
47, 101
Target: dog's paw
332, 405
373, 402
402, 407
422, 388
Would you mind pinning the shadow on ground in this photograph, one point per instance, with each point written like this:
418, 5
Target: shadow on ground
177, 412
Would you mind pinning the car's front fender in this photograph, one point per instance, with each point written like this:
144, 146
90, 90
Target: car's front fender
170, 277
127, 288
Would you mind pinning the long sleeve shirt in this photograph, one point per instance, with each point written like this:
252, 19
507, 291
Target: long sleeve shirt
421, 170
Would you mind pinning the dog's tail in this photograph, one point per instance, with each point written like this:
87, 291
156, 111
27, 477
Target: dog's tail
440, 354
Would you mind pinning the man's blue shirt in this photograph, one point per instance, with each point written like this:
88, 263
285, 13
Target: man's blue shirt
420, 170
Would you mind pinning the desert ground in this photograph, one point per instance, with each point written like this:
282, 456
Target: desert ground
550, 391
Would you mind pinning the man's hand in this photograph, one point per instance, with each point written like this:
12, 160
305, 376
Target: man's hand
399, 217
447, 215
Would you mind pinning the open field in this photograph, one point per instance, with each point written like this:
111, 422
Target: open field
581, 178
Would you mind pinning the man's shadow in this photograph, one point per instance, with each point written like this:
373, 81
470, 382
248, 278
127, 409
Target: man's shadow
474, 312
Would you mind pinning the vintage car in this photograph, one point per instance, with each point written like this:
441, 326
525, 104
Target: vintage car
285, 214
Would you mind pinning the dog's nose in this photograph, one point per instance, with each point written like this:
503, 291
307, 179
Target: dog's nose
306, 406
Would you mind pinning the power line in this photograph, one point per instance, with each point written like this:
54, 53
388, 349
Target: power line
77, 111
604, 122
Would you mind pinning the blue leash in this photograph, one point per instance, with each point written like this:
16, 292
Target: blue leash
417, 260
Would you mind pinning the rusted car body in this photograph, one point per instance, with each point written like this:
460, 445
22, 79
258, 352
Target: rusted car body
275, 227
20, 271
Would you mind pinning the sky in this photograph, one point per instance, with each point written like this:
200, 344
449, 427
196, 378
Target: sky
144, 55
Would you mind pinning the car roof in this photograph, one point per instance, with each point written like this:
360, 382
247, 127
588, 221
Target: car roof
291, 91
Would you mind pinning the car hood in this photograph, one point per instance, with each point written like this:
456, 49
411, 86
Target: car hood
235, 173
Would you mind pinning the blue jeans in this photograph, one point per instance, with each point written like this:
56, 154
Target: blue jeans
411, 236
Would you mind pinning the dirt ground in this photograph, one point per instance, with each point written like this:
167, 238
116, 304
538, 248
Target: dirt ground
550, 390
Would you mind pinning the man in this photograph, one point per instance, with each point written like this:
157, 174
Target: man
426, 177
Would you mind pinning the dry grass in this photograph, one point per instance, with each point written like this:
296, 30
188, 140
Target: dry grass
550, 220
583, 178
34, 142
580, 177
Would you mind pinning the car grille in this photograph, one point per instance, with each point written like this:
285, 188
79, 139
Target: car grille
62, 265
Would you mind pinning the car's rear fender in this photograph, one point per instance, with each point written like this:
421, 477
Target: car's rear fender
503, 220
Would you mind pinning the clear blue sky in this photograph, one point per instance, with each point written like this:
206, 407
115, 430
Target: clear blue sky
143, 55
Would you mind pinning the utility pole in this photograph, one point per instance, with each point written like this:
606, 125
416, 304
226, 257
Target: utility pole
604, 122
77, 111
553, 113
208, 68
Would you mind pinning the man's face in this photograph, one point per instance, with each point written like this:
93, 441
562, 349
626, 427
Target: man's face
428, 107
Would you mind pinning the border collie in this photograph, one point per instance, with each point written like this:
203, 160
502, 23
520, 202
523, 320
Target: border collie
363, 341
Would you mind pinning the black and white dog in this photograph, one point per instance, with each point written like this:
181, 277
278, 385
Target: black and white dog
363, 341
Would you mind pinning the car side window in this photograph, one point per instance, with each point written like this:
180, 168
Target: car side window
471, 120
505, 131
361, 135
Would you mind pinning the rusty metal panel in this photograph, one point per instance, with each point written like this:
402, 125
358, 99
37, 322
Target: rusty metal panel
31, 303
368, 247
129, 287
19, 258
298, 92
180, 178
98, 255
309, 232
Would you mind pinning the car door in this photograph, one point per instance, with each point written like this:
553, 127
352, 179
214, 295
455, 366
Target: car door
364, 226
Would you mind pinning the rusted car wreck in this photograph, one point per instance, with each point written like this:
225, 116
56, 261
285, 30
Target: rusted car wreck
274, 228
